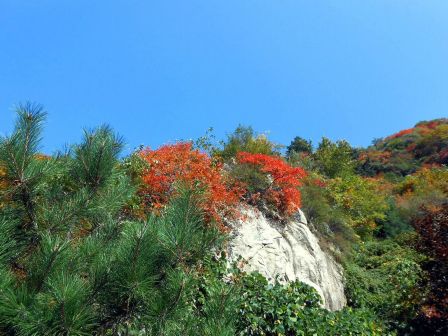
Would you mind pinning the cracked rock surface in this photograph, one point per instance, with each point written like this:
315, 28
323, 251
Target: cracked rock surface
289, 252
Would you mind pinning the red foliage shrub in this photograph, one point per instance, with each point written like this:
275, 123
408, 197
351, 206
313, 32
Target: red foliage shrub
180, 163
411, 147
283, 190
431, 124
401, 133
319, 183
374, 155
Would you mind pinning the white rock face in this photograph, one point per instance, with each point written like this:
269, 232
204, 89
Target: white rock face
289, 252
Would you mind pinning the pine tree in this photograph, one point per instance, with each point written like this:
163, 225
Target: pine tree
72, 262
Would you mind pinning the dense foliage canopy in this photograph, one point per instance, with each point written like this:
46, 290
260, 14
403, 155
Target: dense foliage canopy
408, 150
95, 244
277, 183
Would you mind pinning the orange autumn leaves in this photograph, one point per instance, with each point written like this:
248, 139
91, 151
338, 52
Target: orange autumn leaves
401, 133
283, 190
180, 163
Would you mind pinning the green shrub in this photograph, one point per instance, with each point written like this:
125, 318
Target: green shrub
395, 221
335, 159
252, 306
294, 309
362, 201
244, 139
330, 220
387, 278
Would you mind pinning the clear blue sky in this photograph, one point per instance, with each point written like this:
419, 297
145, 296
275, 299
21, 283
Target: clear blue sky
163, 70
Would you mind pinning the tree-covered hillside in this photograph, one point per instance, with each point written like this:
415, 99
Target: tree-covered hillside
408, 150
384, 209
93, 243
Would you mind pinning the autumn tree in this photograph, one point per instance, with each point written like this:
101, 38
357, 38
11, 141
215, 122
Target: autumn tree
270, 180
362, 200
426, 187
180, 164
432, 147
405, 152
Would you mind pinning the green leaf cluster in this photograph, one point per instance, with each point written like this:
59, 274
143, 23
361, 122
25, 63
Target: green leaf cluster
244, 139
386, 277
335, 159
252, 306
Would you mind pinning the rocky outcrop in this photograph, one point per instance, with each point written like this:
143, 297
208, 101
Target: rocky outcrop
287, 251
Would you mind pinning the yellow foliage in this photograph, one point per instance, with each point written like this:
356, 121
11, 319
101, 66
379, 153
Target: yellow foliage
427, 187
362, 198
441, 132
424, 181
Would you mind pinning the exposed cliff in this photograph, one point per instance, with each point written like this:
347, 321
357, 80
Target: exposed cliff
289, 252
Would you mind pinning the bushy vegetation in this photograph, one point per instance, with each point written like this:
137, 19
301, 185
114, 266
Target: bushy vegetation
432, 227
363, 201
408, 150
367, 203
299, 145
71, 262
334, 159
244, 139
269, 182
95, 244
327, 217
261, 308
386, 277
179, 163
